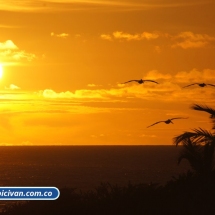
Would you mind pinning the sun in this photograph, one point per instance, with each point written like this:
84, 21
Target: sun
1, 71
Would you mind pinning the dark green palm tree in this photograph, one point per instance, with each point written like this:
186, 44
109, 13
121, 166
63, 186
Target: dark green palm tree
198, 146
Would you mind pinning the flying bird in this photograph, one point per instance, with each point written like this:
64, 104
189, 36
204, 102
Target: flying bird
141, 81
200, 85
168, 121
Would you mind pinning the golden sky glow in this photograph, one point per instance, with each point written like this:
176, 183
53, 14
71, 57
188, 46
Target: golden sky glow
1, 71
64, 63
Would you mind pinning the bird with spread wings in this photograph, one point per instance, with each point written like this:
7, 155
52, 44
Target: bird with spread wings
168, 121
141, 81
200, 85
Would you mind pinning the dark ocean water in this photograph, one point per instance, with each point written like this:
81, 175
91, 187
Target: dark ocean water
85, 167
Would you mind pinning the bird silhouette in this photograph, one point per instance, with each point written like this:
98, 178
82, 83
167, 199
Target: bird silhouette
168, 121
141, 81
200, 85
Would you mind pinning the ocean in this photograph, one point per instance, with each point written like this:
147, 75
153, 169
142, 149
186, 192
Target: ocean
85, 167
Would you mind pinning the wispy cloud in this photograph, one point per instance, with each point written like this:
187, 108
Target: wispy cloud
49, 93
168, 89
114, 113
106, 37
10, 52
155, 75
127, 36
184, 40
61, 35
23, 55
24, 5
126, 4
93, 85
188, 40
12, 87
8, 44
207, 75
27, 143
10, 26
157, 49
62, 5
148, 135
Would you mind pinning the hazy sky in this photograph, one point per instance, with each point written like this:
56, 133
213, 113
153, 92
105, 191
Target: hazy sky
63, 63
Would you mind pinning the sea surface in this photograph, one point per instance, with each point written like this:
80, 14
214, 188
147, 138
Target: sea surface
85, 167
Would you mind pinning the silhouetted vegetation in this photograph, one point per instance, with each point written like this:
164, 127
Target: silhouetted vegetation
198, 147
182, 195
189, 193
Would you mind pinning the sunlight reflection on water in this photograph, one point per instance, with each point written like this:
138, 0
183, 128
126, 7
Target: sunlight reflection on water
85, 167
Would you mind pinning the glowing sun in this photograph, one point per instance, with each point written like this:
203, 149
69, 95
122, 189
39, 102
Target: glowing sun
1, 71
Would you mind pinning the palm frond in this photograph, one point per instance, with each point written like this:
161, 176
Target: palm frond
200, 157
192, 153
183, 138
204, 108
199, 136
202, 134
198, 146
213, 121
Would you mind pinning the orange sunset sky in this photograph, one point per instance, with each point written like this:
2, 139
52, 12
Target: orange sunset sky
62, 65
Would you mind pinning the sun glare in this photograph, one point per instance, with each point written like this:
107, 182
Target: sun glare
1, 71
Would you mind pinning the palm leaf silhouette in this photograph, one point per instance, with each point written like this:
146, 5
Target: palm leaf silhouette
200, 157
198, 136
198, 146
204, 108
